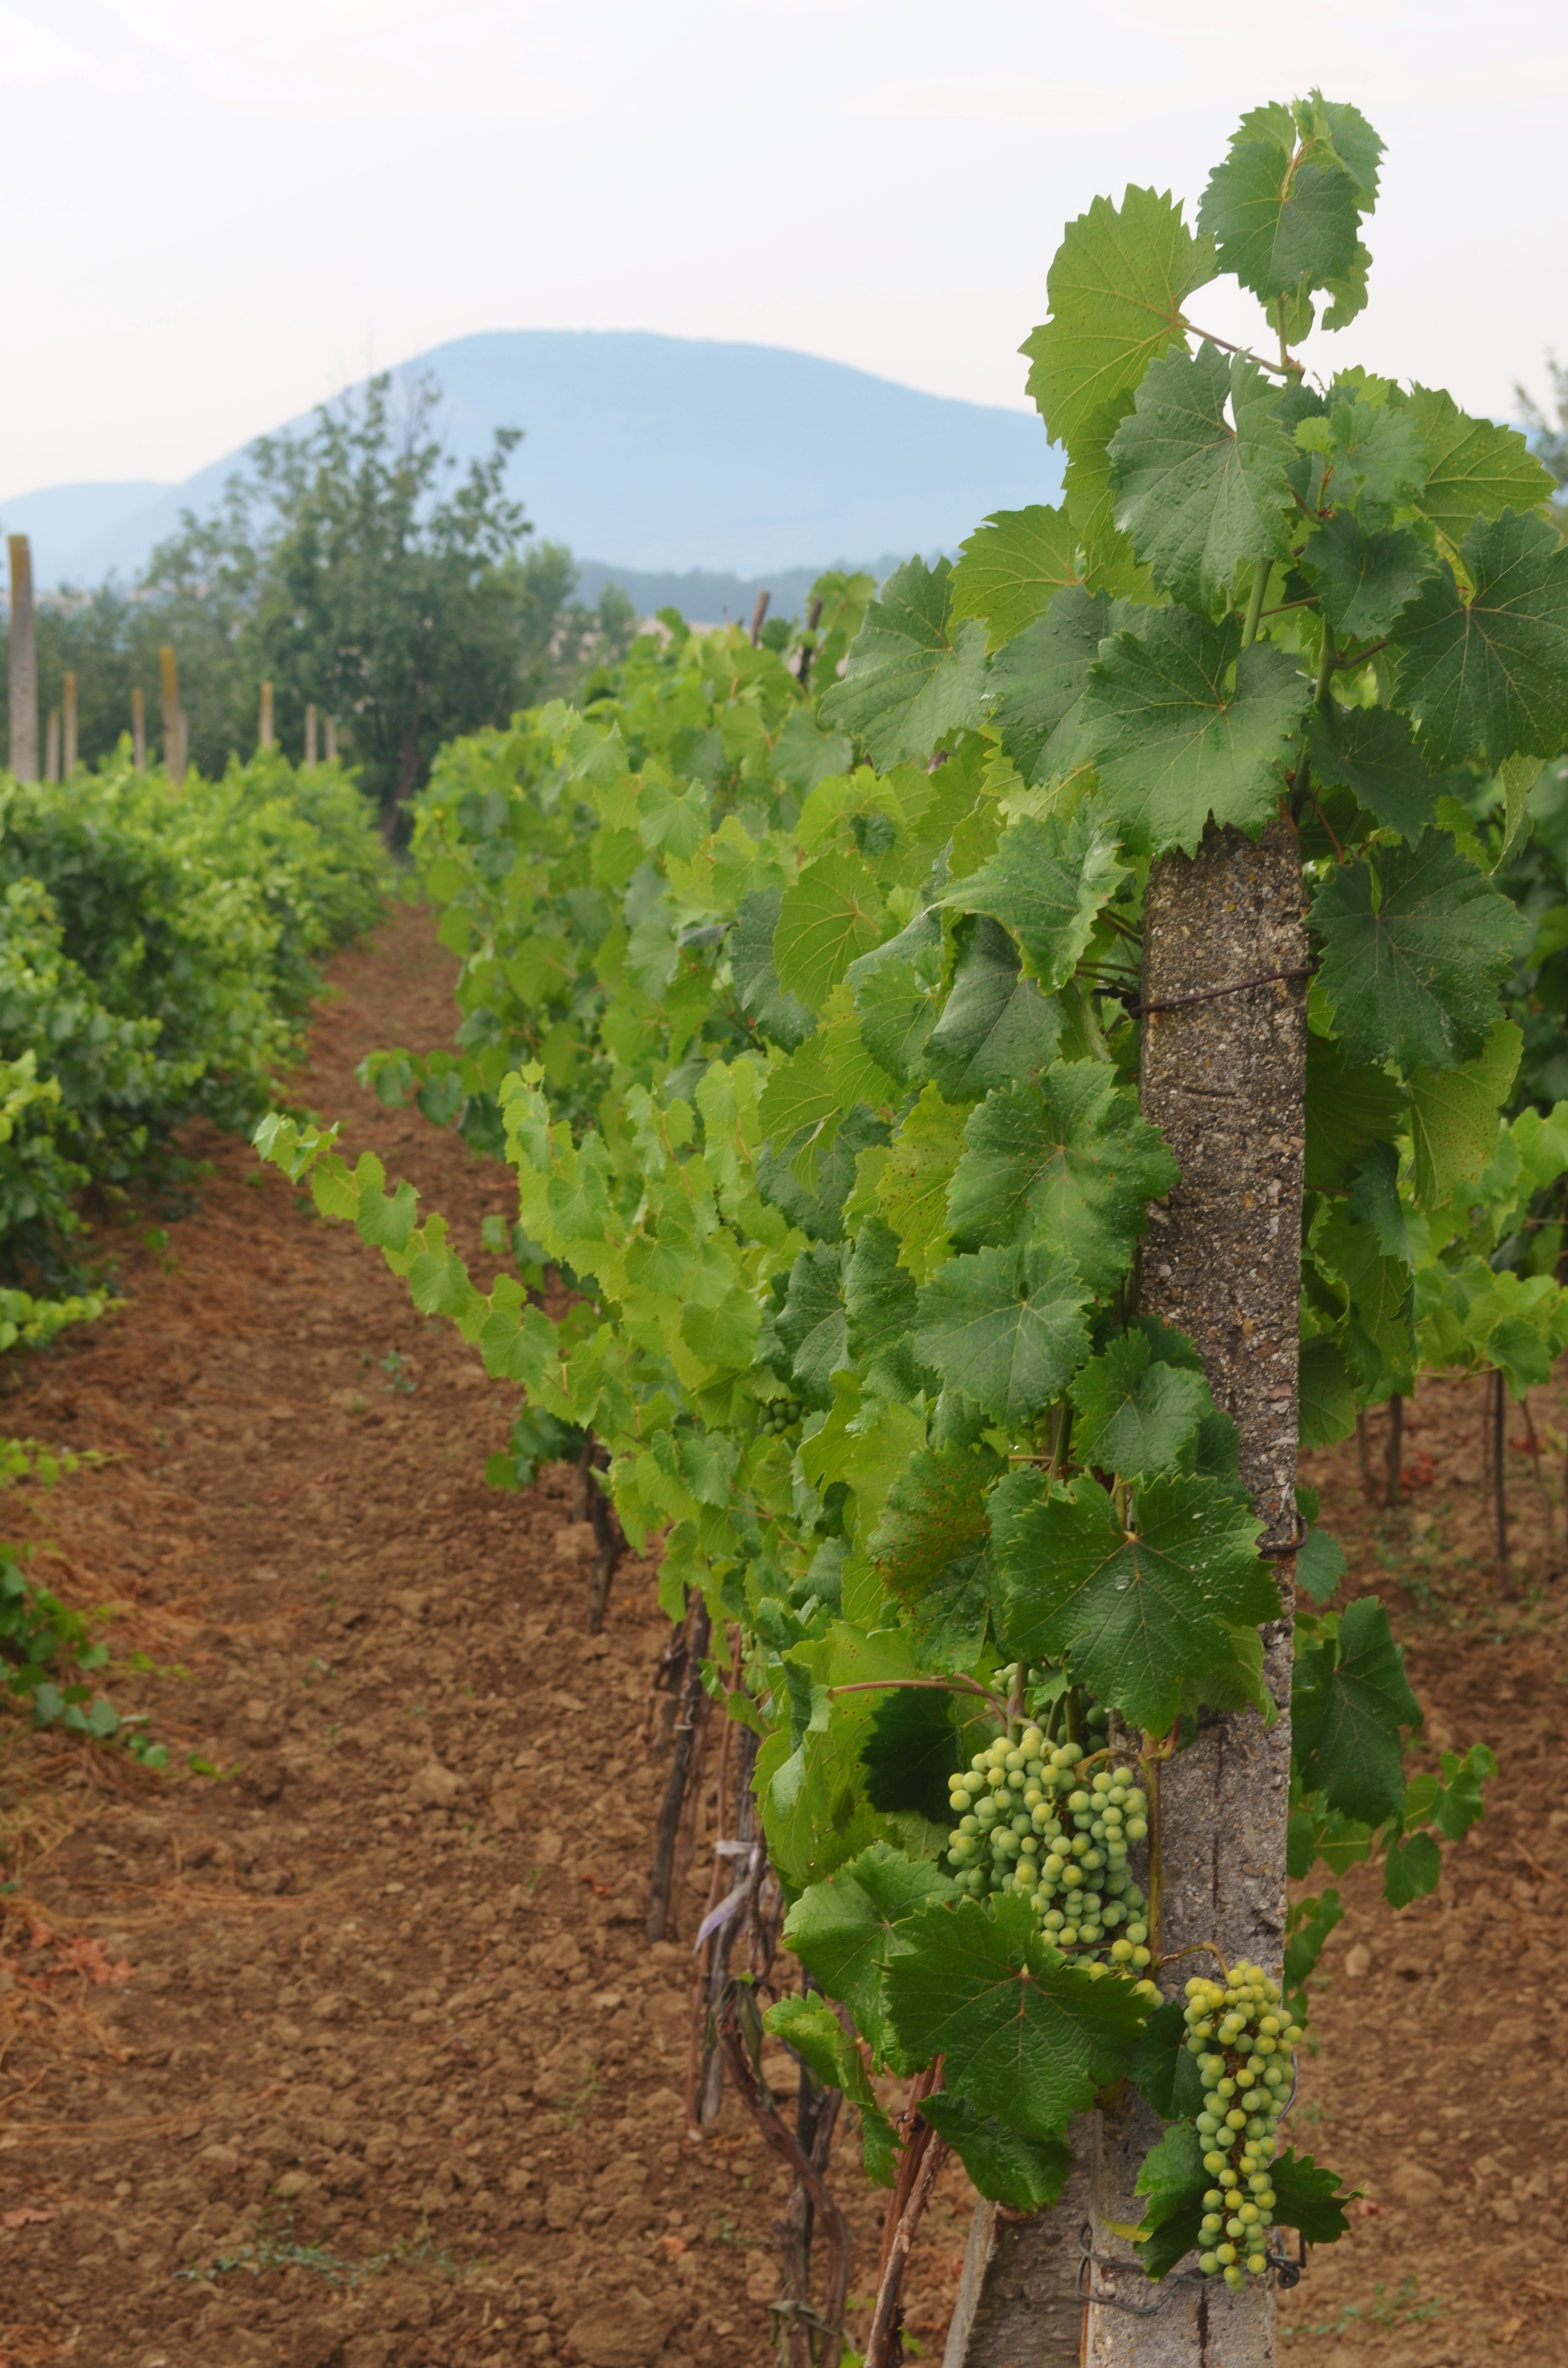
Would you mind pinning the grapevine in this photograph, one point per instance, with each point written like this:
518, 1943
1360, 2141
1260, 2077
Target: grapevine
802, 988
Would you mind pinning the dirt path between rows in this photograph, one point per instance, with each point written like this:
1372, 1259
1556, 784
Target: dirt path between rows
355, 2057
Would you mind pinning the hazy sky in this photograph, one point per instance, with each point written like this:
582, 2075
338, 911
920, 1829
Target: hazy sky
222, 211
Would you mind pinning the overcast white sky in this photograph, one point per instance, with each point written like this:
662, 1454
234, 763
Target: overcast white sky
221, 211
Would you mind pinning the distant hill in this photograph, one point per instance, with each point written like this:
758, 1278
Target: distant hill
665, 454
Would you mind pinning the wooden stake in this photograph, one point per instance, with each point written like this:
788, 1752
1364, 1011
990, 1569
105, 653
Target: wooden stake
51, 746
1395, 1465
757, 614
1499, 1472
68, 727
310, 732
174, 756
24, 662
263, 732
139, 731
331, 739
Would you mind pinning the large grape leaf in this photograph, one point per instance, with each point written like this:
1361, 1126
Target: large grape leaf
813, 1323
1347, 1110
1284, 223
1363, 580
1367, 454
830, 914
1326, 1395
929, 1549
1012, 567
781, 1016
842, 1930
1370, 752
894, 1007
1414, 954
1349, 1697
1308, 2197
813, 2032
916, 674
1027, 2037
1488, 677
1115, 289
915, 1740
1140, 1610
1174, 2180
1176, 736
1474, 468
1036, 683
1135, 1416
1199, 495
997, 1026
878, 1298
912, 1189
1454, 1115
1046, 882
1064, 1159
1005, 1326
1026, 2174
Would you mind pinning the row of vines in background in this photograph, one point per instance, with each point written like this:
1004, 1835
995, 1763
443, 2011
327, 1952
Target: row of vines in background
160, 945
801, 989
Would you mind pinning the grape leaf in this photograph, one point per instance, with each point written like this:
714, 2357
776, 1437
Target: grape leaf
1025, 2036
913, 1745
911, 1190
1371, 751
783, 1018
1173, 2177
1115, 289
1349, 1697
1375, 1201
1363, 580
1037, 684
1283, 222
1368, 453
1065, 1159
1024, 2173
813, 1323
1414, 954
1347, 1108
1012, 567
1454, 1115
841, 1930
1161, 2069
997, 1026
1412, 1870
879, 1299
1046, 882
1320, 1564
1197, 496
831, 913
1488, 677
1308, 2197
895, 1010
1172, 737
1137, 1612
1136, 1417
929, 1549
1005, 1326
916, 674
816, 2034
1474, 468
1325, 1395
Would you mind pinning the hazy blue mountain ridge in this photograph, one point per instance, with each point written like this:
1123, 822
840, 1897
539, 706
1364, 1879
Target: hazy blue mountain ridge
748, 464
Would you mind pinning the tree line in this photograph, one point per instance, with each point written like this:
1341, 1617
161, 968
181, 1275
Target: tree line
360, 568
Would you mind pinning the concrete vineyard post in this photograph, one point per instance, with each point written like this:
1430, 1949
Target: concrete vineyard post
68, 727
51, 746
139, 731
1226, 1081
24, 662
757, 615
168, 669
264, 728
331, 739
310, 734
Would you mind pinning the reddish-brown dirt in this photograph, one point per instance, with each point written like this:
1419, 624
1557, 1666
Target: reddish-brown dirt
375, 2002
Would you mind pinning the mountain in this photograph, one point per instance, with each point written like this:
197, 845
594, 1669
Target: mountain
666, 455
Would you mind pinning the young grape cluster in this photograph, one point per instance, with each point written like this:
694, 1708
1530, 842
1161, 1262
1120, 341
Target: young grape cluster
1243, 2038
780, 1415
1031, 1821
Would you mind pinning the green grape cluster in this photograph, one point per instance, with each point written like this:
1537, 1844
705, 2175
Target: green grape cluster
780, 1415
1031, 1821
1243, 2038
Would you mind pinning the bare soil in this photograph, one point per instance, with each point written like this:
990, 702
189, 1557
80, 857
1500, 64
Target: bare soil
353, 2054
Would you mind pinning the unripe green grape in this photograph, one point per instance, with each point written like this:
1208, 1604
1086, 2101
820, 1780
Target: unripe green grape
1233, 2276
1227, 2253
1211, 2225
1208, 2263
1136, 1829
1214, 2161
